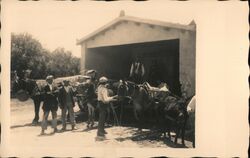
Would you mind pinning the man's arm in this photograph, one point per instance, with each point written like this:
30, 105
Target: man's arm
143, 69
47, 89
60, 96
131, 70
106, 98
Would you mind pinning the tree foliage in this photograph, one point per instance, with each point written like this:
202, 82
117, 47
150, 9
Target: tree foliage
63, 63
28, 53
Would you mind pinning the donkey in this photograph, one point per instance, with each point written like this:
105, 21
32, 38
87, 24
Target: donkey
173, 114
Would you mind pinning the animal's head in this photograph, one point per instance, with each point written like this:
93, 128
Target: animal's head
175, 104
181, 117
130, 87
169, 99
31, 86
122, 89
110, 92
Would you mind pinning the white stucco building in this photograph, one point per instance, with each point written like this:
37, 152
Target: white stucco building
168, 46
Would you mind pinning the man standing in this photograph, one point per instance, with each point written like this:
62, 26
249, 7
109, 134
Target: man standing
90, 96
137, 71
80, 91
67, 103
50, 104
103, 100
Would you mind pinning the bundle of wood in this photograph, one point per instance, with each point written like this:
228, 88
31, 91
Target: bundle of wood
72, 79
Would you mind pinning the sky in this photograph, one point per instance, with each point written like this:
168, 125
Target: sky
60, 24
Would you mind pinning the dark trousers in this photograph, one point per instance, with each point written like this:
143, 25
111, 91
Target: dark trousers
44, 123
91, 113
70, 110
37, 101
102, 117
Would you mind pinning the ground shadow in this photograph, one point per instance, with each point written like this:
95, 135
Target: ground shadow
26, 125
46, 134
34, 125
151, 136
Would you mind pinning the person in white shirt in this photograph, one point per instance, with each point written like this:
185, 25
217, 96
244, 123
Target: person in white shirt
103, 100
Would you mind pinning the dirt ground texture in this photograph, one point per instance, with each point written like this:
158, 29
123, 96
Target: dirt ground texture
23, 132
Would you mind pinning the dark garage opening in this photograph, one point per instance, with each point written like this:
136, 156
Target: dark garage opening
160, 59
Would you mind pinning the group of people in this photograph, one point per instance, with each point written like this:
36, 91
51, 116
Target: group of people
53, 97
63, 97
87, 93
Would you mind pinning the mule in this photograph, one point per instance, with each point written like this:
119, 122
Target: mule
173, 114
169, 111
35, 93
140, 100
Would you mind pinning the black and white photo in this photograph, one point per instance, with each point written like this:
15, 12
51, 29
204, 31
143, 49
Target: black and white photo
88, 78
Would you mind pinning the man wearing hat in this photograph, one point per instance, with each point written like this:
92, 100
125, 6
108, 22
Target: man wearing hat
92, 74
80, 91
103, 100
67, 103
90, 96
50, 104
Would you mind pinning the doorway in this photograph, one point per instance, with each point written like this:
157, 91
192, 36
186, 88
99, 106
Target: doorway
160, 59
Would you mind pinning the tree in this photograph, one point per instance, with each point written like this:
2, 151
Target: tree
28, 53
63, 63
25, 53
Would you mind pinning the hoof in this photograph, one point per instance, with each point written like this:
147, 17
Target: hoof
100, 138
175, 142
92, 125
42, 133
34, 123
183, 143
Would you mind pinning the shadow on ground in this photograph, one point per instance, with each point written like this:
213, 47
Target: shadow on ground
150, 136
32, 124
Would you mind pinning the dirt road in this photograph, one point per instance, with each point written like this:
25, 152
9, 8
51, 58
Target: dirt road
23, 132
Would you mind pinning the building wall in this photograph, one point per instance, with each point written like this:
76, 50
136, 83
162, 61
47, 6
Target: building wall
131, 32
188, 61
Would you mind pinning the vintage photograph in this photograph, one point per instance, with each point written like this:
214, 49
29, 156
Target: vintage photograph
115, 79
123, 78
130, 82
